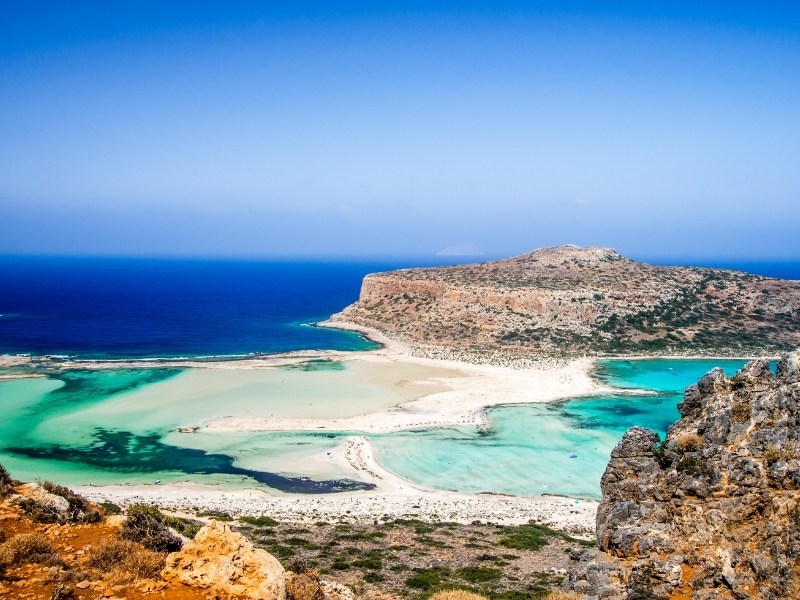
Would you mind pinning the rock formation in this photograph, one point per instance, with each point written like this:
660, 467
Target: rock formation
570, 300
225, 562
714, 510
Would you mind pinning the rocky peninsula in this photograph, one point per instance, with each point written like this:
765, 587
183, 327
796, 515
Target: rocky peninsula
569, 301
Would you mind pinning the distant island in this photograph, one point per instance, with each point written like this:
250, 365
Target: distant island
568, 301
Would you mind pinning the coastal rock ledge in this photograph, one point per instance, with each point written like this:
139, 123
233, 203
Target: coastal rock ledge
714, 510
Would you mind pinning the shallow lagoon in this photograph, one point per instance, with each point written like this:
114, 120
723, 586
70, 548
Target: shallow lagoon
560, 448
118, 426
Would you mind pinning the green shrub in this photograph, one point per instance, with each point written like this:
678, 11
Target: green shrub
426, 579
478, 574
526, 537
185, 527
261, 521
111, 508
5, 476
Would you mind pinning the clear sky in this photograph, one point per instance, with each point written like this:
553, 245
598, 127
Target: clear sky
399, 128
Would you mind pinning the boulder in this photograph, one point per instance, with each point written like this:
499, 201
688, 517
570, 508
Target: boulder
53, 503
224, 562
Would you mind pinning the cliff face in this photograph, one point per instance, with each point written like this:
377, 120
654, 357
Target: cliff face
570, 299
714, 511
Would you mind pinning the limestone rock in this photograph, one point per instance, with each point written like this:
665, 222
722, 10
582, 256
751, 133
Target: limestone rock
714, 510
58, 505
223, 561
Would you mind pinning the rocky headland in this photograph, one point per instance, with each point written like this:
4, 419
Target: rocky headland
713, 511
579, 301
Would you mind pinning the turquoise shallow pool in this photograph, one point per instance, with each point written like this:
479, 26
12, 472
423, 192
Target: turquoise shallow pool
557, 448
118, 426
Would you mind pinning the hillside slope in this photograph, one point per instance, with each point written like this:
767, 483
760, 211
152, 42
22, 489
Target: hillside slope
571, 300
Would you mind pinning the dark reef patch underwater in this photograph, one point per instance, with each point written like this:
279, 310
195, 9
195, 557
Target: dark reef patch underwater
123, 451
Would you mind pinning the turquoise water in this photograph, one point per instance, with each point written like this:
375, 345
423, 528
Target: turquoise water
95, 427
547, 448
118, 426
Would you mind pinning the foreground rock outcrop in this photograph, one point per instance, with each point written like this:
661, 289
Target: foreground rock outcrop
570, 300
714, 510
224, 561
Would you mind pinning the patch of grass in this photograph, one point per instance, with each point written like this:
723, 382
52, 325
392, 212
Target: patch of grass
479, 574
260, 521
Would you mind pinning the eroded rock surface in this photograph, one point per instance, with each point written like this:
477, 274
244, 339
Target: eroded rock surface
714, 510
225, 562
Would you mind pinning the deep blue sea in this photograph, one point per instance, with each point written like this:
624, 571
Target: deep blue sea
115, 308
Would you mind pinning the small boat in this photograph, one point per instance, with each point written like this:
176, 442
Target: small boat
573, 455
158, 481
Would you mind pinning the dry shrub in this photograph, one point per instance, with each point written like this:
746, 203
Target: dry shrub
148, 531
564, 596
28, 548
303, 586
741, 411
688, 442
457, 595
124, 561
775, 453
63, 592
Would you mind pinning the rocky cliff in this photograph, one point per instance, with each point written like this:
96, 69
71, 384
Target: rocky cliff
714, 510
571, 300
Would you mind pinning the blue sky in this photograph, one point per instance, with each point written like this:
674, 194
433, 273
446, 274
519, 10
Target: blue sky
664, 129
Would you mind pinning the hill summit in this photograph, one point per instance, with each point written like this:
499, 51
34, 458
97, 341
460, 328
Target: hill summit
571, 300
